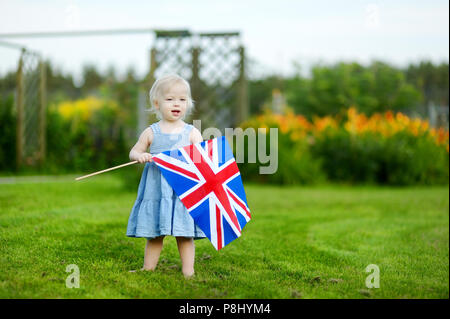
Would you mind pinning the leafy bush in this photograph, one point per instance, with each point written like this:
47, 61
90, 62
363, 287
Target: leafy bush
384, 148
8, 134
86, 134
295, 164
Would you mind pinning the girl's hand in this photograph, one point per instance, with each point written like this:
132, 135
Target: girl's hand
144, 157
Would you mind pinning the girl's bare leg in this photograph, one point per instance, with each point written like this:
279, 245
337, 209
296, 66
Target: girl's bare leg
186, 249
152, 251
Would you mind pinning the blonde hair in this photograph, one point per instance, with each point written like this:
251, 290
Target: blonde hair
159, 87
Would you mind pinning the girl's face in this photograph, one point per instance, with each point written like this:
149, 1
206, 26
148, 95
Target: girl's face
173, 104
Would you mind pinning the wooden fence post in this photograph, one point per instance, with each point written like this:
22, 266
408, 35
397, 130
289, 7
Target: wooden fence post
20, 115
242, 104
42, 113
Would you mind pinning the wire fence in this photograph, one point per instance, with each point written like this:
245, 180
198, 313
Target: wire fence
30, 100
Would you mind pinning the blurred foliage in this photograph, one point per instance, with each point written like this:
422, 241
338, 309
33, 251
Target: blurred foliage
86, 134
91, 126
7, 133
432, 80
88, 127
384, 148
375, 88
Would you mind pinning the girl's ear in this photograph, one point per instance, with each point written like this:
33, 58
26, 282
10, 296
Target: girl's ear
156, 104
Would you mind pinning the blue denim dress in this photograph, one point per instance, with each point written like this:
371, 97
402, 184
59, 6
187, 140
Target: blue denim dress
157, 210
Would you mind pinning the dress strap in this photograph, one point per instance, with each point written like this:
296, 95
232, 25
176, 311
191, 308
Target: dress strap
155, 127
187, 128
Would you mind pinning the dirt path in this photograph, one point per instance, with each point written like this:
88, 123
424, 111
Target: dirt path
37, 179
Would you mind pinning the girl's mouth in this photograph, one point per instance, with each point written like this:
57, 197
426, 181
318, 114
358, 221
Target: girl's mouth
176, 112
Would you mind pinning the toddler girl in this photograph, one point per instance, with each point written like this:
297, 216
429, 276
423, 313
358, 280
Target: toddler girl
158, 211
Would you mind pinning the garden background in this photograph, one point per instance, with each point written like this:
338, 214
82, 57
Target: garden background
359, 182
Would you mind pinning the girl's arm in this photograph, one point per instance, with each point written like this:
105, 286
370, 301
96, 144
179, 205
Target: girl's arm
195, 136
139, 150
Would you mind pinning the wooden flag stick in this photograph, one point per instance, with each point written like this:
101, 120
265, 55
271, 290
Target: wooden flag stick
106, 170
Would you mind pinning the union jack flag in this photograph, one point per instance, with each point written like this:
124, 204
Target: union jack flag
206, 178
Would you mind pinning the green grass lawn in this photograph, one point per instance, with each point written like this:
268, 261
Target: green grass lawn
303, 242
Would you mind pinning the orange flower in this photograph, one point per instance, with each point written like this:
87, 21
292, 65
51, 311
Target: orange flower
442, 136
322, 123
298, 127
389, 116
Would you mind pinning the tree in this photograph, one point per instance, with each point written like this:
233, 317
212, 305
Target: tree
91, 79
431, 80
332, 88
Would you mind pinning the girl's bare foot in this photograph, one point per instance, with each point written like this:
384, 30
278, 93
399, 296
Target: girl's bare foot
188, 275
186, 248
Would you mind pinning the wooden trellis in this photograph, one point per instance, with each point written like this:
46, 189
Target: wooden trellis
214, 65
30, 106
